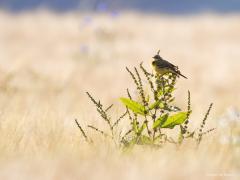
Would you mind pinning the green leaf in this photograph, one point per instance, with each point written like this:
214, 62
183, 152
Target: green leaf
169, 89
160, 121
142, 128
160, 93
133, 105
135, 126
156, 104
174, 120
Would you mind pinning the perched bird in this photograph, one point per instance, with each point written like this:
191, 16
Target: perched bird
162, 66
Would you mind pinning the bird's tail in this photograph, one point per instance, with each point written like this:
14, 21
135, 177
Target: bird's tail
179, 73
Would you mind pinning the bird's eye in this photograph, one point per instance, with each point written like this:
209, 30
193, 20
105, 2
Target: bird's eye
153, 63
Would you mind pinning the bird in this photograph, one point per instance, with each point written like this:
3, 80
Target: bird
162, 66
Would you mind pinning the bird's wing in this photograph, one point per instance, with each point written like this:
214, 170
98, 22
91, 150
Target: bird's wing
168, 64
161, 64
174, 69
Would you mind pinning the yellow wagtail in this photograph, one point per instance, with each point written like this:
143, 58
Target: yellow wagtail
162, 66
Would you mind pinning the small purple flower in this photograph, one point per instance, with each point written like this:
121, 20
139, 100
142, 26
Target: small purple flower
102, 7
114, 14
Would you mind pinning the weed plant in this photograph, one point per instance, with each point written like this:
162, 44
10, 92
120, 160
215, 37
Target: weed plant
153, 119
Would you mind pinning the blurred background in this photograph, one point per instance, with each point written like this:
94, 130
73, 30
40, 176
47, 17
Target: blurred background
52, 52
160, 6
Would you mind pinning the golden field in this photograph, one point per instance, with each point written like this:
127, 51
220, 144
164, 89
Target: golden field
48, 61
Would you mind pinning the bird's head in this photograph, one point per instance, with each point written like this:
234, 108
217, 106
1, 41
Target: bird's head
157, 56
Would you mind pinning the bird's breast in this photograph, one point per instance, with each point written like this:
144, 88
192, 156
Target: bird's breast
160, 70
